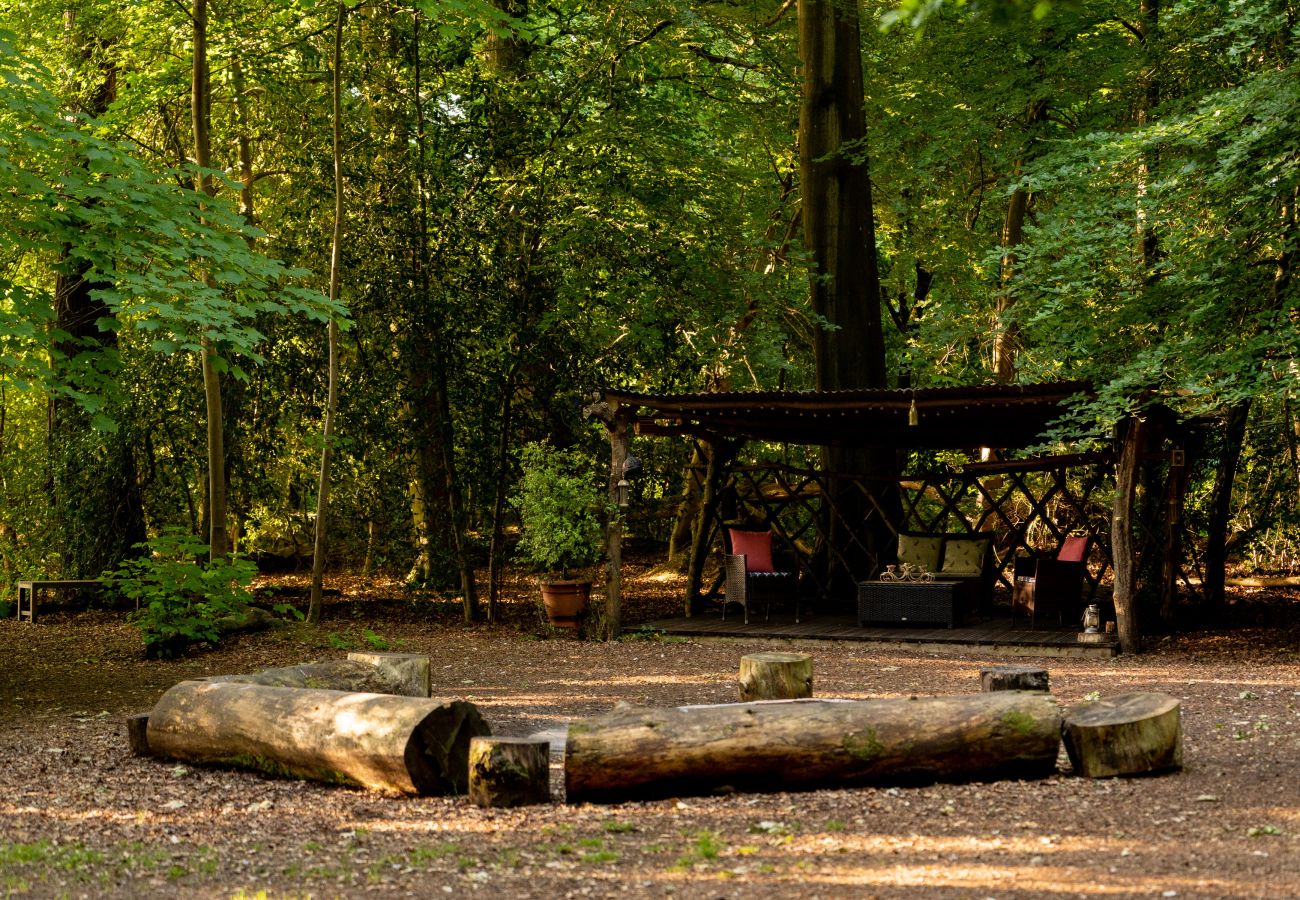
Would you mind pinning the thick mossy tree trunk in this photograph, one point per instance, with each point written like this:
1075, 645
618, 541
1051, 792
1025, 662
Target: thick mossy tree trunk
844, 280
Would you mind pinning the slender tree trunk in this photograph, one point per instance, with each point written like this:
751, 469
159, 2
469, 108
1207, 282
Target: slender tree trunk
1006, 335
332, 401
1148, 98
1216, 531
201, 120
844, 282
496, 553
1123, 556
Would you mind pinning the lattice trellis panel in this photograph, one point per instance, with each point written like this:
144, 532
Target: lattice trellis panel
1028, 509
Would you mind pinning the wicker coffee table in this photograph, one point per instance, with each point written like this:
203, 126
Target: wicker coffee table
911, 602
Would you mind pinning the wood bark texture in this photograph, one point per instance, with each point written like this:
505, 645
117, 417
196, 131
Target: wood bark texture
509, 771
327, 675
409, 670
137, 734
397, 744
776, 676
1013, 678
1133, 734
1123, 553
802, 744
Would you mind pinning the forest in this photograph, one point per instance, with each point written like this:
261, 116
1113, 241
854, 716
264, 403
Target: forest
236, 234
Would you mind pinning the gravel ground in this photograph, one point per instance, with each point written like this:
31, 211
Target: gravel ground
80, 816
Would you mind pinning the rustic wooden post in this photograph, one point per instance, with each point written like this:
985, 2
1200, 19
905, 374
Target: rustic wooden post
703, 527
1132, 435
1174, 489
619, 435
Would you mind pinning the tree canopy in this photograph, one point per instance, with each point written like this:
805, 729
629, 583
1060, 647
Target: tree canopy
539, 199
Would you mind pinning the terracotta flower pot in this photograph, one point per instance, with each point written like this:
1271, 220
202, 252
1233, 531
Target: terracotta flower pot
565, 601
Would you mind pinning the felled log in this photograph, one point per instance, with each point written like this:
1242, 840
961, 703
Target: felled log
401, 744
509, 771
801, 744
775, 676
1013, 678
252, 619
409, 670
1133, 734
330, 675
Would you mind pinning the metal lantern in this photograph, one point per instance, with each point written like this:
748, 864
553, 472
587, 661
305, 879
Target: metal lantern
1092, 619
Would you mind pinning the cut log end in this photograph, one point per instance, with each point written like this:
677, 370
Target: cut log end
775, 676
1133, 734
509, 771
1013, 678
437, 754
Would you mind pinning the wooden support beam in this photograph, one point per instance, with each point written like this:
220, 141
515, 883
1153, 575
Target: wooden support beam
1127, 470
619, 438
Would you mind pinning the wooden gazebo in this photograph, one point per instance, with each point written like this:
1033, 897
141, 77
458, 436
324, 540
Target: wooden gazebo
987, 494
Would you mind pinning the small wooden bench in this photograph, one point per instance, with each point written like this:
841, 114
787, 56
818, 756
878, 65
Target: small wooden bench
29, 590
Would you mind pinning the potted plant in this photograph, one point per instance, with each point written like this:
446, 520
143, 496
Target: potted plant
562, 510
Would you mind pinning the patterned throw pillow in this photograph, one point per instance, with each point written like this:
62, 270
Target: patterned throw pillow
755, 546
921, 550
964, 557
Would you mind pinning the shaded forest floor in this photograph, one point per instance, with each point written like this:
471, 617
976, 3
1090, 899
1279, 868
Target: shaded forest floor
79, 816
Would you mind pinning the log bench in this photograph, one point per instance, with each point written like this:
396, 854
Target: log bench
28, 591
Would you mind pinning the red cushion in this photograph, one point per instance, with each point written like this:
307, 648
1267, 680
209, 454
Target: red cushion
756, 546
1073, 549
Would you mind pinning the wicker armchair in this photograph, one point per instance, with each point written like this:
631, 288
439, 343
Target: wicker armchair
1048, 587
752, 576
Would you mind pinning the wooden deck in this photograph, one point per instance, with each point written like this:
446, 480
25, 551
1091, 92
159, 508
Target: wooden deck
994, 634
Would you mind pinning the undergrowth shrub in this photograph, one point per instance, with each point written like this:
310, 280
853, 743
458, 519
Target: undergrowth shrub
181, 599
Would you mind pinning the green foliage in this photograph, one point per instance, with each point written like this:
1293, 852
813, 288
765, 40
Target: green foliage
181, 601
561, 508
170, 263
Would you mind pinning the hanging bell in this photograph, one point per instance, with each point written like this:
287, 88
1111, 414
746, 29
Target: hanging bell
913, 417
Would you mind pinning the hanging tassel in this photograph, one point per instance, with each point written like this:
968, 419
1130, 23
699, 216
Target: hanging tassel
913, 417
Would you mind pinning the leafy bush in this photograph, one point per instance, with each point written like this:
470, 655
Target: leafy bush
561, 508
180, 600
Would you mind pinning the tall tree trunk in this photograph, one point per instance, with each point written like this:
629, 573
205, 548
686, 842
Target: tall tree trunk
1123, 555
1216, 530
1148, 98
201, 120
332, 400
96, 503
440, 449
496, 552
1006, 335
844, 282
